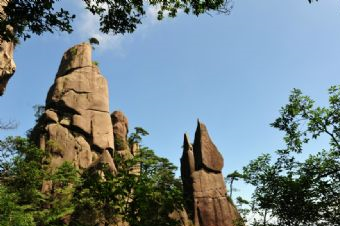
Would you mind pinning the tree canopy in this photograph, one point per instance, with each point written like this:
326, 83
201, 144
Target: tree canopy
295, 190
146, 197
28, 17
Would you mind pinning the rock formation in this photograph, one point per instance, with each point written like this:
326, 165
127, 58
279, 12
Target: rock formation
204, 189
76, 126
7, 65
120, 131
123, 148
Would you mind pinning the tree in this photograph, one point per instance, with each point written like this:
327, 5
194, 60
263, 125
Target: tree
22, 173
28, 17
230, 178
146, 198
289, 191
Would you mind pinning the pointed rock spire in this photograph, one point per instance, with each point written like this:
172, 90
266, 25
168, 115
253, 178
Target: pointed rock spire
206, 153
204, 191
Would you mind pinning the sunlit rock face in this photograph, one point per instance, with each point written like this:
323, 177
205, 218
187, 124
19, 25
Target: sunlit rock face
76, 126
203, 184
7, 65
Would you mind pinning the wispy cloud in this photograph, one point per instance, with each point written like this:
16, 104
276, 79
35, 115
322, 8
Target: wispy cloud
88, 25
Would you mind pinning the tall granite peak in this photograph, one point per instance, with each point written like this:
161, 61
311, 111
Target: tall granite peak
204, 191
76, 125
7, 64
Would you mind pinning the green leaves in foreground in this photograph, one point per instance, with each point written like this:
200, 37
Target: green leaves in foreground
291, 191
144, 198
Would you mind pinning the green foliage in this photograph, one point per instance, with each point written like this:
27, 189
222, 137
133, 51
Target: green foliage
144, 198
34, 17
97, 196
95, 63
74, 51
93, 41
22, 174
21, 168
136, 137
120, 144
294, 192
157, 192
230, 178
11, 213
118, 17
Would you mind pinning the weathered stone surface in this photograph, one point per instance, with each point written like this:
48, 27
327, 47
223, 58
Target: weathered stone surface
208, 156
120, 130
182, 217
203, 184
78, 56
76, 126
51, 115
7, 65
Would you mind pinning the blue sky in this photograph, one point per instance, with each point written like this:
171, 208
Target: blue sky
232, 72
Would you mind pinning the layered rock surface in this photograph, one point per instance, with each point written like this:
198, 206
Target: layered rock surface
204, 189
76, 126
7, 65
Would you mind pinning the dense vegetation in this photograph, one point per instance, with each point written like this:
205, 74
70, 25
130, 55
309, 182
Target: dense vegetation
87, 199
28, 17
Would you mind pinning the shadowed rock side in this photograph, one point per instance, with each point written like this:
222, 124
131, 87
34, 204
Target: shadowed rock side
76, 125
7, 65
203, 184
120, 126
123, 148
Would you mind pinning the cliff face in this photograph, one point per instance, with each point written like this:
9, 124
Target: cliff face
7, 65
76, 125
204, 189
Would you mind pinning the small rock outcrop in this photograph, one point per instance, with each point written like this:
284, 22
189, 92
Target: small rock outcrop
120, 131
123, 147
76, 126
7, 65
203, 184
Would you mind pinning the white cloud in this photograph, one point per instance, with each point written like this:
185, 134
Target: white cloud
152, 13
87, 26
